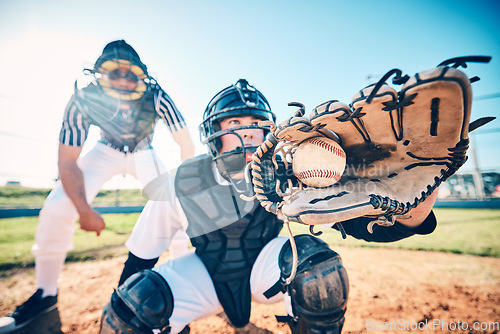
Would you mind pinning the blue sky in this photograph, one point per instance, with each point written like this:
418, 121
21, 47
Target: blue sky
307, 51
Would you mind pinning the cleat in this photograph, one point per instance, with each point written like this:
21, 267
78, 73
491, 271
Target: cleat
24, 314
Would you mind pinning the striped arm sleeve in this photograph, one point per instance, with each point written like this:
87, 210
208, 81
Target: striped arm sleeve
75, 128
168, 112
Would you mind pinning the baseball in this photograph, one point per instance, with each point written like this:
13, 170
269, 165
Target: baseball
319, 162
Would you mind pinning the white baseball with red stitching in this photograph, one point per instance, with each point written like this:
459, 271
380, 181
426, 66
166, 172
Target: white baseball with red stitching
319, 162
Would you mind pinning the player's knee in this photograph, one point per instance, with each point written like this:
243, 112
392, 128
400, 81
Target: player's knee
142, 303
320, 288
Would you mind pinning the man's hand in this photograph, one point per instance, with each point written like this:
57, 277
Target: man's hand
91, 221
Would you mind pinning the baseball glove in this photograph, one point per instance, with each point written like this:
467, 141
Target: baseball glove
399, 147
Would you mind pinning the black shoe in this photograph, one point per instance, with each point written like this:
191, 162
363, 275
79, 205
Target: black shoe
24, 314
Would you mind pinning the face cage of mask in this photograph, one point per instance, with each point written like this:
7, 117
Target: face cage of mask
143, 86
232, 162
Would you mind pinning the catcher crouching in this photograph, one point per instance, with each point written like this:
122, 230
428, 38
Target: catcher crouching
234, 227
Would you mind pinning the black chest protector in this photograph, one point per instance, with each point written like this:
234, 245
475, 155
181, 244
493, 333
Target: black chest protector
123, 123
227, 232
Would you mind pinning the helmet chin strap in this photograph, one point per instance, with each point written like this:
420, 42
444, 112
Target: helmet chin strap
234, 162
240, 185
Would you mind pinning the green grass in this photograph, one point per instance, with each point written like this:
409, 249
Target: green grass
463, 231
11, 196
17, 237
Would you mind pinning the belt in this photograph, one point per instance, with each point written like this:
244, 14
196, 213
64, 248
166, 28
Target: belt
123, 147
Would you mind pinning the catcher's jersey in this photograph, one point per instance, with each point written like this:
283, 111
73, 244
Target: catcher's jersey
123, 124
227, 232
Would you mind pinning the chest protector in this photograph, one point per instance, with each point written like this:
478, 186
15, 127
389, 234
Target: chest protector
122, 123
227, 232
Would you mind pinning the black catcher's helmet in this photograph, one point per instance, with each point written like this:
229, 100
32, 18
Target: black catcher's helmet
240, 99
119, 55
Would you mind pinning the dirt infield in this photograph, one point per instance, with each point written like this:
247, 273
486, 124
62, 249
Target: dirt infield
391, 291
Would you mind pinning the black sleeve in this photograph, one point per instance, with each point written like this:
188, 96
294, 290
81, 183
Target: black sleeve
135, 264
357, 228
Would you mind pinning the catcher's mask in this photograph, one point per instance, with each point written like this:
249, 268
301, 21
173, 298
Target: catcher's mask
240, 99
120, 60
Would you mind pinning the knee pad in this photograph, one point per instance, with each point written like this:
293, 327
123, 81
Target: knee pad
319, 289
142, 303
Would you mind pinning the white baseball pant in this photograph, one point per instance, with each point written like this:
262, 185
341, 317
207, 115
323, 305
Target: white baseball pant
54, 235
193, 291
